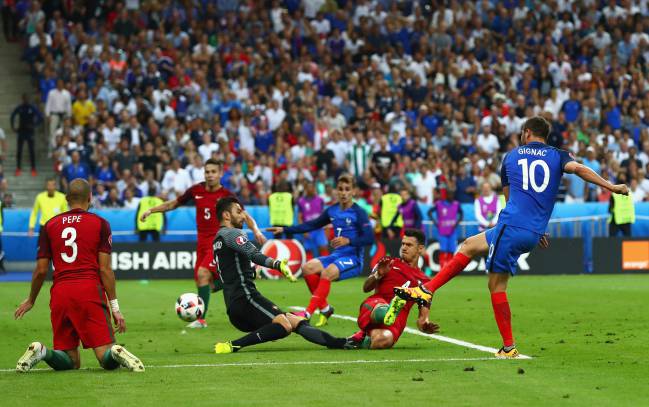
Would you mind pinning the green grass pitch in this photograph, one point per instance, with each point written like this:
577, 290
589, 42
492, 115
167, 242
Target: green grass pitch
586, 334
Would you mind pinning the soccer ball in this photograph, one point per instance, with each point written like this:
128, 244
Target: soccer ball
190, 307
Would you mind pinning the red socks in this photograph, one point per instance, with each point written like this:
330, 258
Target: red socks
319, 297
503, 317
312, 281
450, 270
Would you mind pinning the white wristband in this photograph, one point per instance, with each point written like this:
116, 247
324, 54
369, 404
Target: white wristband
114, 305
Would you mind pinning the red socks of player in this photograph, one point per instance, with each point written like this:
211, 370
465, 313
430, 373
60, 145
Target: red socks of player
319, 297
444, 258
312, 281
452, 269
503, 317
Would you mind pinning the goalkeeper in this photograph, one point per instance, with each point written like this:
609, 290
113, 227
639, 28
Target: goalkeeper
247, 309
380, 329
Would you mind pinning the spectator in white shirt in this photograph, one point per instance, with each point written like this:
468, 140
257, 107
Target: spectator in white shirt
162, 111
57, 106
321, 25
487, 141
275, 115
176, 180
208, 147
195, 169
111, 134
339, 147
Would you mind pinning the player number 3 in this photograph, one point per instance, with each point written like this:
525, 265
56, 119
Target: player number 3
70, 234
529, 174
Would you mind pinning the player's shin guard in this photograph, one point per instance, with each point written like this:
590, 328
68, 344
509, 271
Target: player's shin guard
204, 293
503, 317
58, 360
266, 333
319, 297
108, 362
378, 313
322, 338
452, 269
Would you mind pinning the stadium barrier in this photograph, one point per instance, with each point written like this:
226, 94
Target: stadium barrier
585, 221
616, 255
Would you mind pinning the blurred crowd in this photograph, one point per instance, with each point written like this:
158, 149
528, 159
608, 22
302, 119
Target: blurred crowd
422, 95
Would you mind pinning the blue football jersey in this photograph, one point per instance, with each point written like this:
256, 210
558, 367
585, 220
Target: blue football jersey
352, 223
533, 173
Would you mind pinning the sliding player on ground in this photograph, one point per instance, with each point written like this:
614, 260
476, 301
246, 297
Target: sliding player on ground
78, 244
379, 330
352, 231
247, 309
530, 175
205, 196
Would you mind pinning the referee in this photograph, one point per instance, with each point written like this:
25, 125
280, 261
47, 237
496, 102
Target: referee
247, 309
49, 203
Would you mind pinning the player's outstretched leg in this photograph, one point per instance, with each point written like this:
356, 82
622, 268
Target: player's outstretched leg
117, 356
278, 329
36, 351
319, 298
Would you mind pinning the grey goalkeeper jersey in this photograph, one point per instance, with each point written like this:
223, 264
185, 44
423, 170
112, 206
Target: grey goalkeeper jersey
233, 253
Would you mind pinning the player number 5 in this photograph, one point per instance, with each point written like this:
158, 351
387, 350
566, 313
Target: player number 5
207, 214
529, 174
70, 234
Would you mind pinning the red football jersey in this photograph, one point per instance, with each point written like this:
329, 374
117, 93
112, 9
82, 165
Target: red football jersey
399, 273
207, 224
72, 241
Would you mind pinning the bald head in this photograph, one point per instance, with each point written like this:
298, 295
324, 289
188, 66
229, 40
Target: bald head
78, 192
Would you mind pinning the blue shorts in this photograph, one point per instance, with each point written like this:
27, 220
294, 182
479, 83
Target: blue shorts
348, 266
506, 244
316, 240
448, 244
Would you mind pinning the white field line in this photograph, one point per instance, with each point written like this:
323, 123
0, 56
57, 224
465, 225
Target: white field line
433, 336
296, 363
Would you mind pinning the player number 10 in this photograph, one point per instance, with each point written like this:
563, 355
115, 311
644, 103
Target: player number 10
529, 174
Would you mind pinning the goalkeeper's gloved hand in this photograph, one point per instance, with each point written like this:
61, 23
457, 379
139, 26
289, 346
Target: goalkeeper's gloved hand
282, 265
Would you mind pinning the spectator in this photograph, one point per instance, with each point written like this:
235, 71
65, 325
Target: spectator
76, 169
176, 180
82, 109
112, 200
384, 162
487, 207
58, 106
28, 118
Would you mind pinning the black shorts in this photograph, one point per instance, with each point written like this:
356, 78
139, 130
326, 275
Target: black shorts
248, 315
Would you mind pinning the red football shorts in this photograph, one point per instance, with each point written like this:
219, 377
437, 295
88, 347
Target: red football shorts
365, 322
205, 258
79, 312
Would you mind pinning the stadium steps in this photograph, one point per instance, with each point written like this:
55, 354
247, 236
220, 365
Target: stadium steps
15, 79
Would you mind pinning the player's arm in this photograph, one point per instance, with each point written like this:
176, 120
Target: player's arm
588, 175
38, 277
163, 207
250, 221
108, 281
366, 237
317, 223
238, 241
424, 324
380, 269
